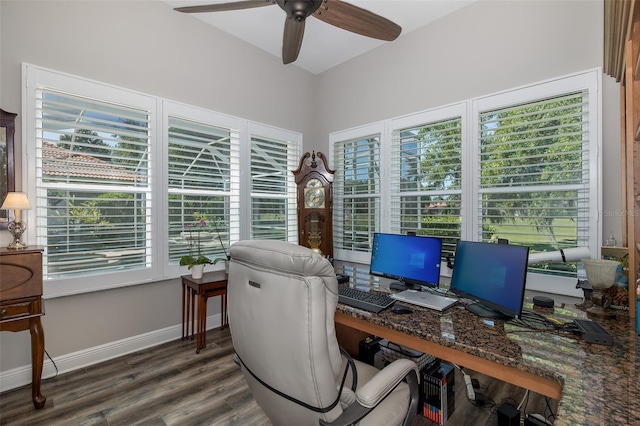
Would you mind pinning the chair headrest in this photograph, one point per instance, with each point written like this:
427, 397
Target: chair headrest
284, 256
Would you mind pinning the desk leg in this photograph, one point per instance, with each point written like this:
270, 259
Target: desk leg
37, 359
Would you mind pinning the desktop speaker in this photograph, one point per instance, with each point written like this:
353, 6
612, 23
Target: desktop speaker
508, 415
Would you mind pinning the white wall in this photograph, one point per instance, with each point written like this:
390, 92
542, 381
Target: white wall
486, 47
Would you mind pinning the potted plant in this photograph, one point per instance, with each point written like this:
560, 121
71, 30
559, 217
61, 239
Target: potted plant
195, 262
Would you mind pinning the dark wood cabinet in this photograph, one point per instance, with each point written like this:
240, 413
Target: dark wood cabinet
21, 305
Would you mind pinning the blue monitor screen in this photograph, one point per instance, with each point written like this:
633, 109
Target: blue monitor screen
410, 259
492, 275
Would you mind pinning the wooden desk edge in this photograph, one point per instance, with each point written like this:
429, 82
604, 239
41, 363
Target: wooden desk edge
493, 369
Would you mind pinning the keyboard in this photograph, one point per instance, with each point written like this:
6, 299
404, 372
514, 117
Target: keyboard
361, 299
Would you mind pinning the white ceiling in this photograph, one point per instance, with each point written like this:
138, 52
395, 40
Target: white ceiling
324, 46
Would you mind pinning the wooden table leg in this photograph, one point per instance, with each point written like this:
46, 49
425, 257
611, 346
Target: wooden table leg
37, 359
193, 310
202, 322
223, 311
198, 321
203, 336
184, 322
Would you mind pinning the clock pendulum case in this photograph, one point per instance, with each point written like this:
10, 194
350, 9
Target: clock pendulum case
314, 182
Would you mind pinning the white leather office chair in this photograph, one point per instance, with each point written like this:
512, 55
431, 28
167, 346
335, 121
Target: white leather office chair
282, 300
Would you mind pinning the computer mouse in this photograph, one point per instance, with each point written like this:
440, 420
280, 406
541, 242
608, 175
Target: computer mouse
401, 309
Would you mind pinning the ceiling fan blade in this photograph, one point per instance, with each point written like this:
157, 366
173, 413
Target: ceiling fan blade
357, 20
221, 7
292, 40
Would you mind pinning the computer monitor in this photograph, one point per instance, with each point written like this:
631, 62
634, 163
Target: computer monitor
492, 276
412, 260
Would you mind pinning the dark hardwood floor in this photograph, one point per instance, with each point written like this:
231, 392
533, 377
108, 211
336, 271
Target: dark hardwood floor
172, 385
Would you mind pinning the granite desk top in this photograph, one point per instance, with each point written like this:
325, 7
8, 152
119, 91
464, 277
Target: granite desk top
600, 384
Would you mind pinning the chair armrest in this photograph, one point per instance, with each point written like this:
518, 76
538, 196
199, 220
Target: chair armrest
376, 389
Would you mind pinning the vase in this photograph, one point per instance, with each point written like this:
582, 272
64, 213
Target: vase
601, 273
196, 271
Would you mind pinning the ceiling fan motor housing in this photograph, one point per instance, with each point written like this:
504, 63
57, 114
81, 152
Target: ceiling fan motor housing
299, 9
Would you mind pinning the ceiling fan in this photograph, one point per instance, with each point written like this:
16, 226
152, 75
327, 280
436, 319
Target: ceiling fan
334, 12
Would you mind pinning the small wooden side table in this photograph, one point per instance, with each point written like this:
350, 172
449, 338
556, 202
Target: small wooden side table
195, 293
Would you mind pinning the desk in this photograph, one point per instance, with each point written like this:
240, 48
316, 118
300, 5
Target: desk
195, 293
595, 384
21, 306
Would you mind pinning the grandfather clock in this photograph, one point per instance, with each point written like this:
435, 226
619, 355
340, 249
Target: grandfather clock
314, 180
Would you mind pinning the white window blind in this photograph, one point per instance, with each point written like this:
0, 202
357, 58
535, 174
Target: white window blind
200, 181
534, 175
92, 174
426, 181
357, 186
273, 188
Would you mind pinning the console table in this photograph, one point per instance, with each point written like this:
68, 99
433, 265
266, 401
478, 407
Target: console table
195, 293
21, 305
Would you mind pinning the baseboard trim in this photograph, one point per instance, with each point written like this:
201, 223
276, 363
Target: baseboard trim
21, 376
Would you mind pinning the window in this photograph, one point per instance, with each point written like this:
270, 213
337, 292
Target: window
90, 155
520, 165
357, 193
125, 182
426, 178
203, 187
273, 188
534, 175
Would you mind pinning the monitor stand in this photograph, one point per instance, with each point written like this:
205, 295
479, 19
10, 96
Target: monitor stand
484, 312
399, 285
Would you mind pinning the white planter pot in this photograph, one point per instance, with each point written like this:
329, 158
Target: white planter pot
196, 271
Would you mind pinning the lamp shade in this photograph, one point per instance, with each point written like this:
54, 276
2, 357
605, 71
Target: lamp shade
16, 200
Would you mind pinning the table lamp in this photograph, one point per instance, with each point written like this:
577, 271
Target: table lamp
17, 201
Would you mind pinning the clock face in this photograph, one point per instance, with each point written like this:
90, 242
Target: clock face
313, 183
314, 194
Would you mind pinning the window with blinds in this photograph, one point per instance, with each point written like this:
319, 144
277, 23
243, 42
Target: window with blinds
125, 184
520, 165
273, 189
534, 175
357, 191
92, 173
200, 182
426, 181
